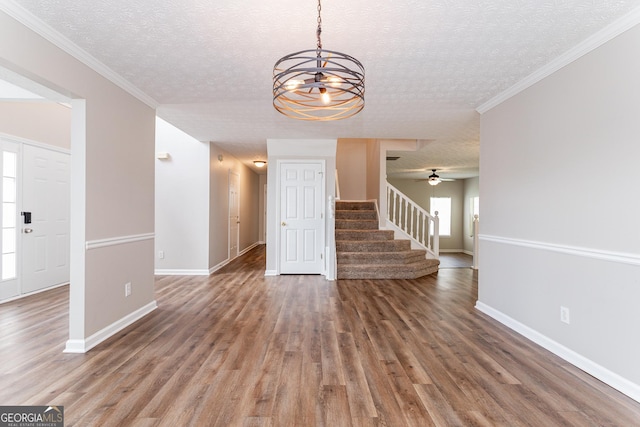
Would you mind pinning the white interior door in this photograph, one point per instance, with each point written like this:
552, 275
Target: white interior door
234, 214
45, 241
9, 238
301, 218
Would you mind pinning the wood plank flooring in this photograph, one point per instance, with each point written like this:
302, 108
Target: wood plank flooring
241, 349
455, 260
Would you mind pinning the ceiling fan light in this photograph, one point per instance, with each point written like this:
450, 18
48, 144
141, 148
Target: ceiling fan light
434, 179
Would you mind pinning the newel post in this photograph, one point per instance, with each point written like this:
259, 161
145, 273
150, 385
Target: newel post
436, 234
476, 226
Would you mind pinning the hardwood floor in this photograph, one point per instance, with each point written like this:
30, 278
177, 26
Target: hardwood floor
455, 260
241, 349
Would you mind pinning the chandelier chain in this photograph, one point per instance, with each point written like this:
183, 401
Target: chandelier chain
319, 30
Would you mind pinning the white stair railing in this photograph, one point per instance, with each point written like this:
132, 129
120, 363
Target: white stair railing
409, 219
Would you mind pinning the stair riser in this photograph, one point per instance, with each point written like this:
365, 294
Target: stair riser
342, 224
382, 258
364, 235
356, 215
373, 246
356, 206
387, 273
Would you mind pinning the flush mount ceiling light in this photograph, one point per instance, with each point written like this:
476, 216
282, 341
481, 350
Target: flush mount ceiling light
259, 163
318, 84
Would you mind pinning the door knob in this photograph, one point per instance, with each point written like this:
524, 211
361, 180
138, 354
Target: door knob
28, 230
283, 223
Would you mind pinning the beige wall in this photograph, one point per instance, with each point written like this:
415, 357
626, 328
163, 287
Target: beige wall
374, 177
112, 140
39, 121
559, 225
351, 164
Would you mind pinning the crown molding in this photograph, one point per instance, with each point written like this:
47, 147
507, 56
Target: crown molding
612, 30
35, 24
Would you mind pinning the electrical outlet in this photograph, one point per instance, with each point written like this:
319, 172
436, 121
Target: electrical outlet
127, 289
161, 254
564, 315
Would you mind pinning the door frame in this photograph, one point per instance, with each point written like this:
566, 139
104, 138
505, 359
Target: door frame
278, 199
231, 256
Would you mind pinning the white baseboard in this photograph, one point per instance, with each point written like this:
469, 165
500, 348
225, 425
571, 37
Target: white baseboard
606, 376
219, 266
244, 251
270, 273
82, 346
200, 272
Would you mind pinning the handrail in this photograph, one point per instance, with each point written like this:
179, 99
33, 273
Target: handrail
413, 221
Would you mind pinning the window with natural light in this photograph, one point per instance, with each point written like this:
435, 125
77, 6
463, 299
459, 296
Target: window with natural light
442, 205
475, 206
9, 166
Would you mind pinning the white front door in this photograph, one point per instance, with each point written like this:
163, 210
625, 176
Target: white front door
301, 218
45, 241
9, 239
234, 215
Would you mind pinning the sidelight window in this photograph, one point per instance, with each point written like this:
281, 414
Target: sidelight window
9, 214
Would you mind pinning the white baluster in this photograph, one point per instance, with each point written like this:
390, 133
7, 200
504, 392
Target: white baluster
404, 215
411, 211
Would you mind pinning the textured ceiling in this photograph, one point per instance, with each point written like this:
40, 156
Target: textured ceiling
429, 63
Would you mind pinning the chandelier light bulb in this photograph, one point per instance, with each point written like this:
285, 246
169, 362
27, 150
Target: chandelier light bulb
293, 84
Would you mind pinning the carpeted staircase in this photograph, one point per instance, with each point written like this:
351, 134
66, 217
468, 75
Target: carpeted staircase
365, 252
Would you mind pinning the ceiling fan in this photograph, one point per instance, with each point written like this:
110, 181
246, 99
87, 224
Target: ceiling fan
434, 178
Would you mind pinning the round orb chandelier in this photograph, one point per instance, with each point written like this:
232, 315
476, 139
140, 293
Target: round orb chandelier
318, 84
